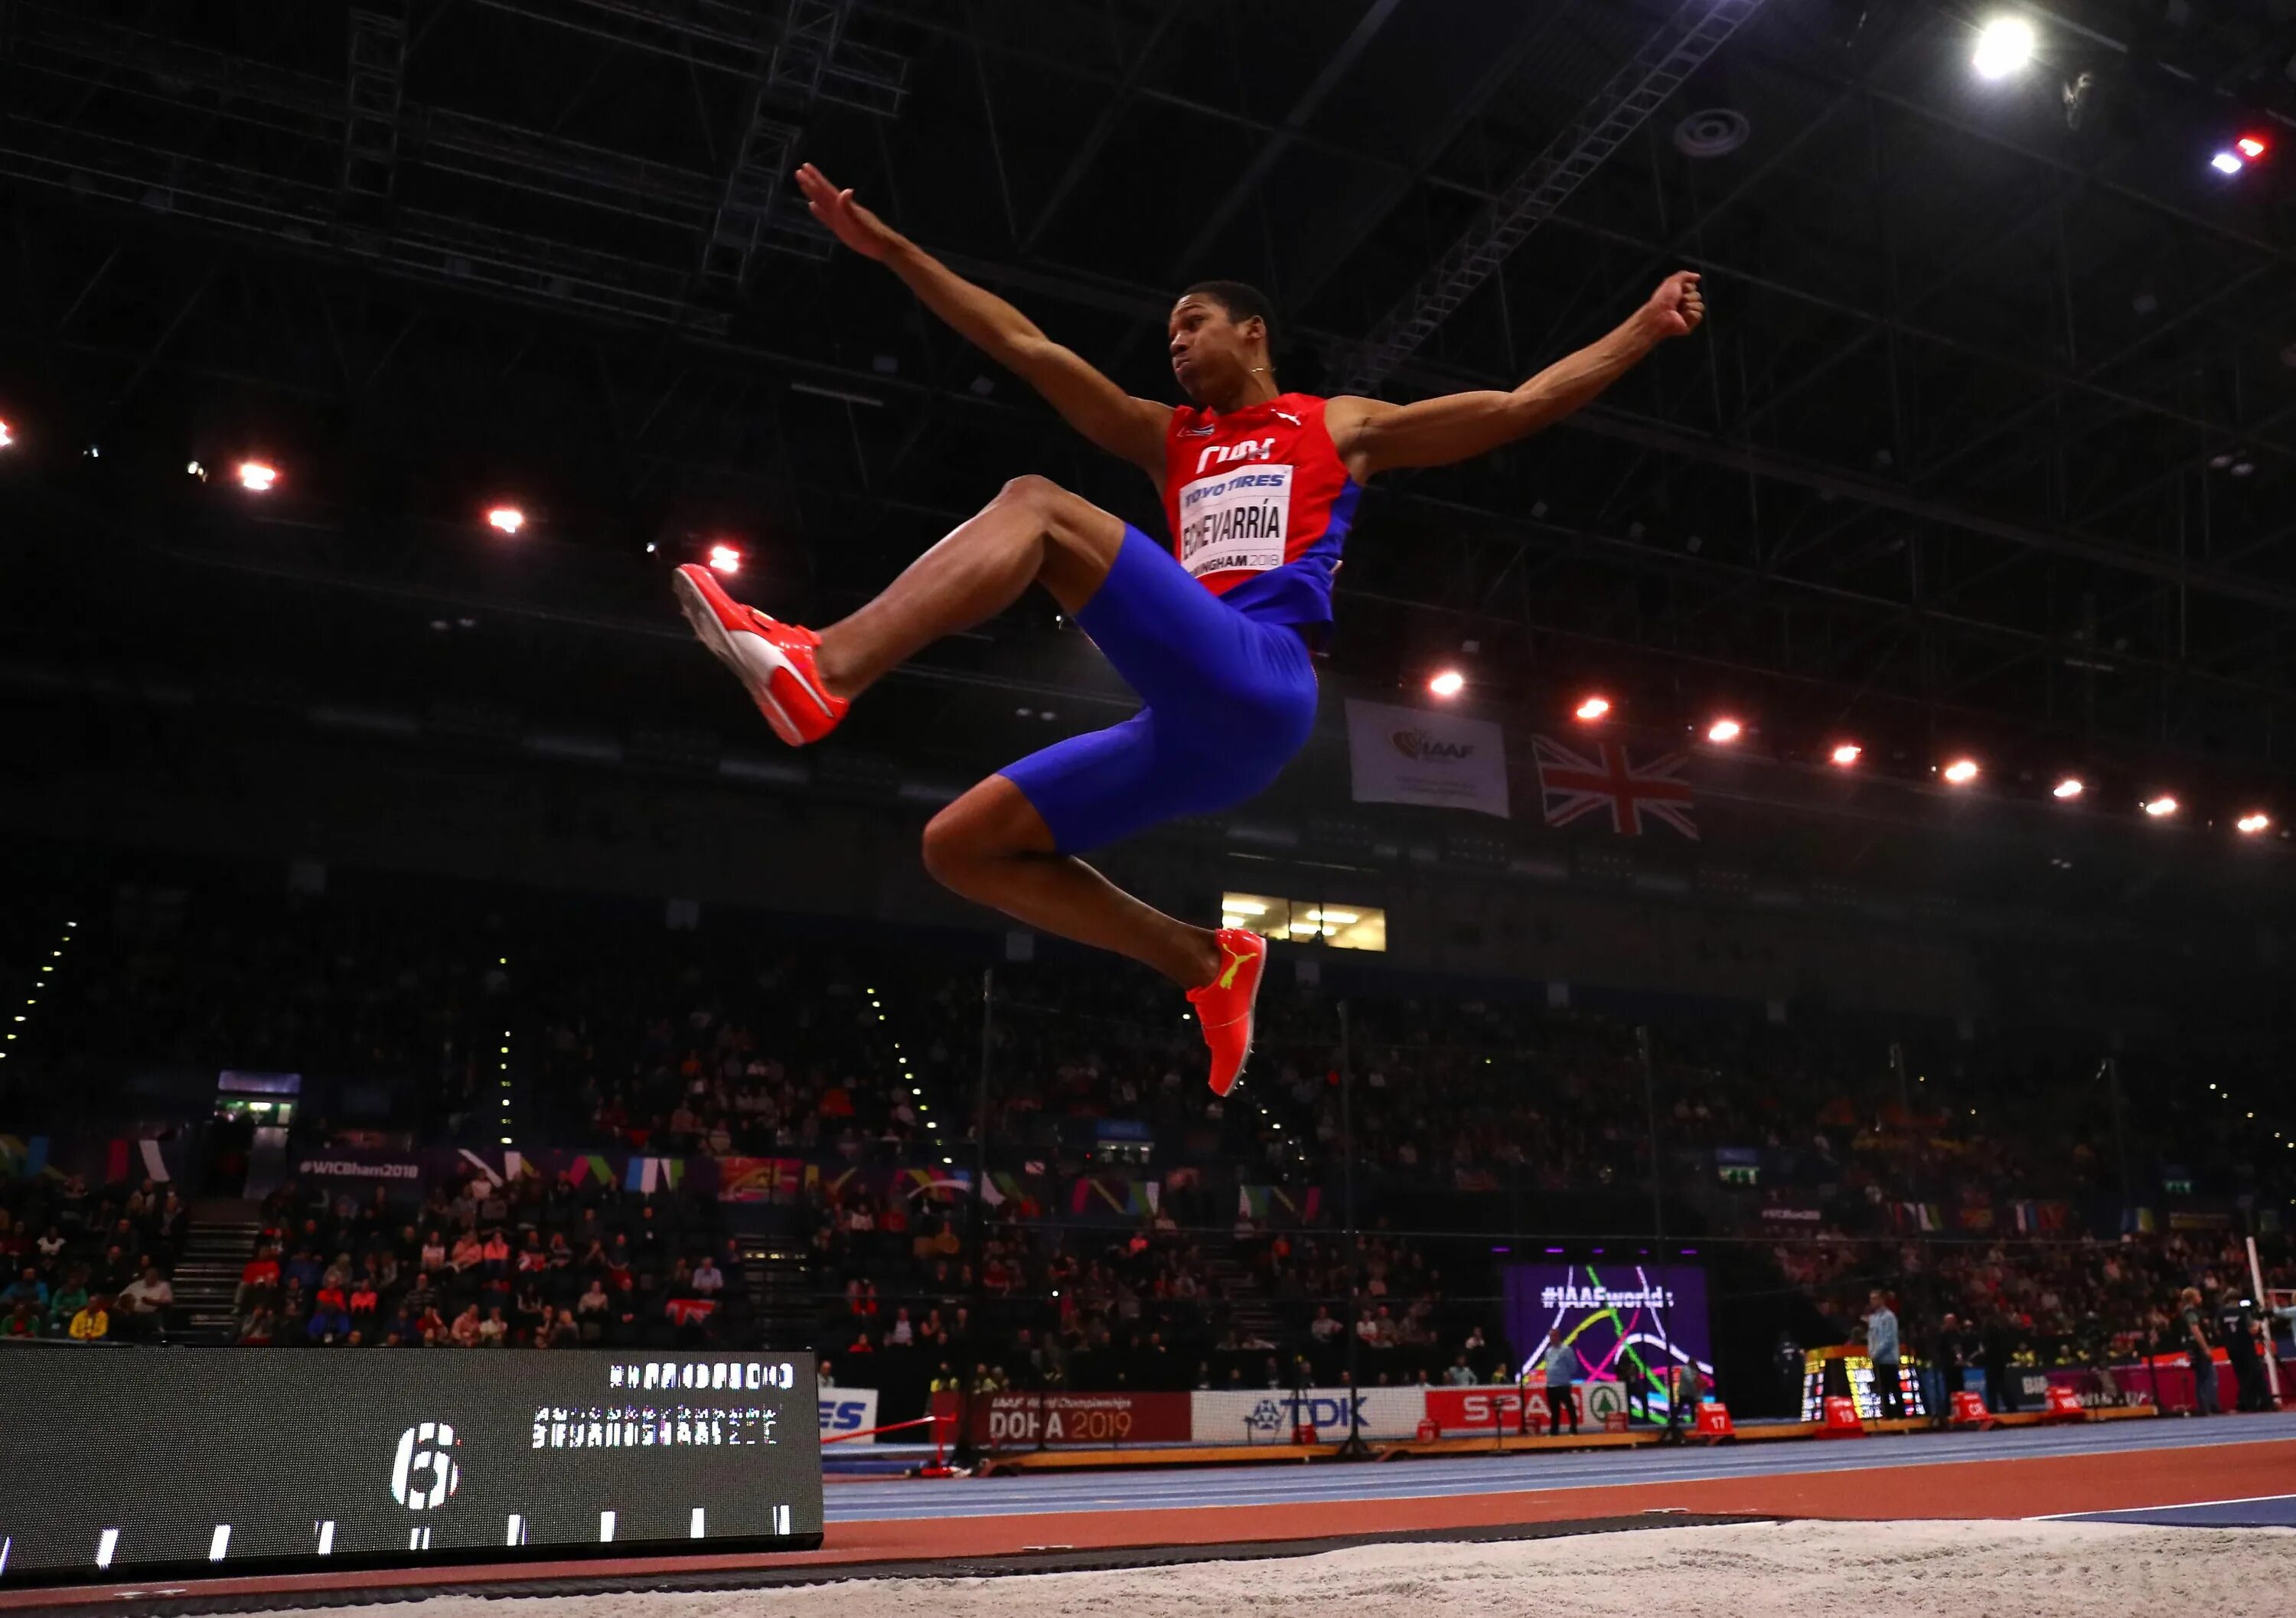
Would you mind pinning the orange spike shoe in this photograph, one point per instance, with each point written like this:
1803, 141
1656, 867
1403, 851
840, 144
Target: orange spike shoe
1225, 1004
773, 660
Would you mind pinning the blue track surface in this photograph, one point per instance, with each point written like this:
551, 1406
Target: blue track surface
1181, 1489
2266, 1511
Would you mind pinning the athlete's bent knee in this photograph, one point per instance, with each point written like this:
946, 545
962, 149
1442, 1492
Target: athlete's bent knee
954, 850
1033, 490
944, 849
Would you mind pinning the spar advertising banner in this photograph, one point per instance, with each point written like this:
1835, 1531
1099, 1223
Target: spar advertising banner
1271, 1416
1462, 1412
1021, 1421
1615, 1320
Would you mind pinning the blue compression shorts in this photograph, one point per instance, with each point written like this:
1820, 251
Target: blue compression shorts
1230, 699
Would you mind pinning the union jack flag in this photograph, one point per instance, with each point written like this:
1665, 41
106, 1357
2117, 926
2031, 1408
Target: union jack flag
1574, 785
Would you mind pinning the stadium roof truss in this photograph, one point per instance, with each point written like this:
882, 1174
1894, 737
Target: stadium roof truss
1996, 415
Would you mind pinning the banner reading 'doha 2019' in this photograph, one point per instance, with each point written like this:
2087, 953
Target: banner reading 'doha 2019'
1407, 755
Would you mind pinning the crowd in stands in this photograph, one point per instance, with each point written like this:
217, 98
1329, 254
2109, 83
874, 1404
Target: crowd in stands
528, 1263
641, 1039
755, 1053
2066, 1300
1157, 1308
199, 980
88, 1266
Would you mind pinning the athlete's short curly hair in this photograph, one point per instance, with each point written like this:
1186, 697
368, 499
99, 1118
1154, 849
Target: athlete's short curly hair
1241, 300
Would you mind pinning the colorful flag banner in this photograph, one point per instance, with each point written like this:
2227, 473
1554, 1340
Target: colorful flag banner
1573, 784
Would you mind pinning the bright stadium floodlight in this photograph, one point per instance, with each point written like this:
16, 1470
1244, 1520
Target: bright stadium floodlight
2162, 807
2254, 822
258, 477
1724, 731
1449, 683
2252, 146
725, 558
2228, 163
2003, 45
1961, 772
1593, 708
2068, 789
7, 438
1846, 753
505, 519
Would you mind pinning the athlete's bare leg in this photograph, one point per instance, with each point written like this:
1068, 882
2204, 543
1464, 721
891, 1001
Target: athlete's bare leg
1033, 532
990, 845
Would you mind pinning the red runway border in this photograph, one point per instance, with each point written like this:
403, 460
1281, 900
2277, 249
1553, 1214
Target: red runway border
2007, 1487
2011, 1487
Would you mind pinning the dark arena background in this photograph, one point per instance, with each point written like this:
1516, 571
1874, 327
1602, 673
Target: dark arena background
1771, 1086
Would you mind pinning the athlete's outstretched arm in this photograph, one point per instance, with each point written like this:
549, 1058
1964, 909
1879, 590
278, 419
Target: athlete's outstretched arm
1372, 436
1095, 406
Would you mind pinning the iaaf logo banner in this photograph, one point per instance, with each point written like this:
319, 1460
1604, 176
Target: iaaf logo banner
1410, 755
1418, 745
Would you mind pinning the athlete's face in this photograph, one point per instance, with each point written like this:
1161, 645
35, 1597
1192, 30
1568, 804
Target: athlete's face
1212, 354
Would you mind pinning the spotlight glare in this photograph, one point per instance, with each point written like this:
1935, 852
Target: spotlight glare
6, 437
1961, 772
258, 477
1725, 730
1593, 708
2252, 146
1449, 683
725, 558
2003, 45
505, 519
2228, 163
1847, 753
2254, 822
2162, 807
2070, 787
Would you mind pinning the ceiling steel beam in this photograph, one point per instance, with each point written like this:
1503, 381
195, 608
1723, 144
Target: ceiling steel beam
1539, 24
813, 58
1688, 38
1111, 114
1271, 151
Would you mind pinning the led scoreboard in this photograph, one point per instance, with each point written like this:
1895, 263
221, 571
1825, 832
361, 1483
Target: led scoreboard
1848, 1373
131, 1462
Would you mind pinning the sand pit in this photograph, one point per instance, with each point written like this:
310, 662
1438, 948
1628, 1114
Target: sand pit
2026, 1570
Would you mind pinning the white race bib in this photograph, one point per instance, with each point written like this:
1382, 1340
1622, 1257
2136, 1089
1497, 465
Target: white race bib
1235, 521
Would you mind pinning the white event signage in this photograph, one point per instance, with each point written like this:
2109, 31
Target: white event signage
1409, 755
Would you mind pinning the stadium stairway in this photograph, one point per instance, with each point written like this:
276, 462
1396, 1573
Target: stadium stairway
1248, 1309
217, 1247
777, 1272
